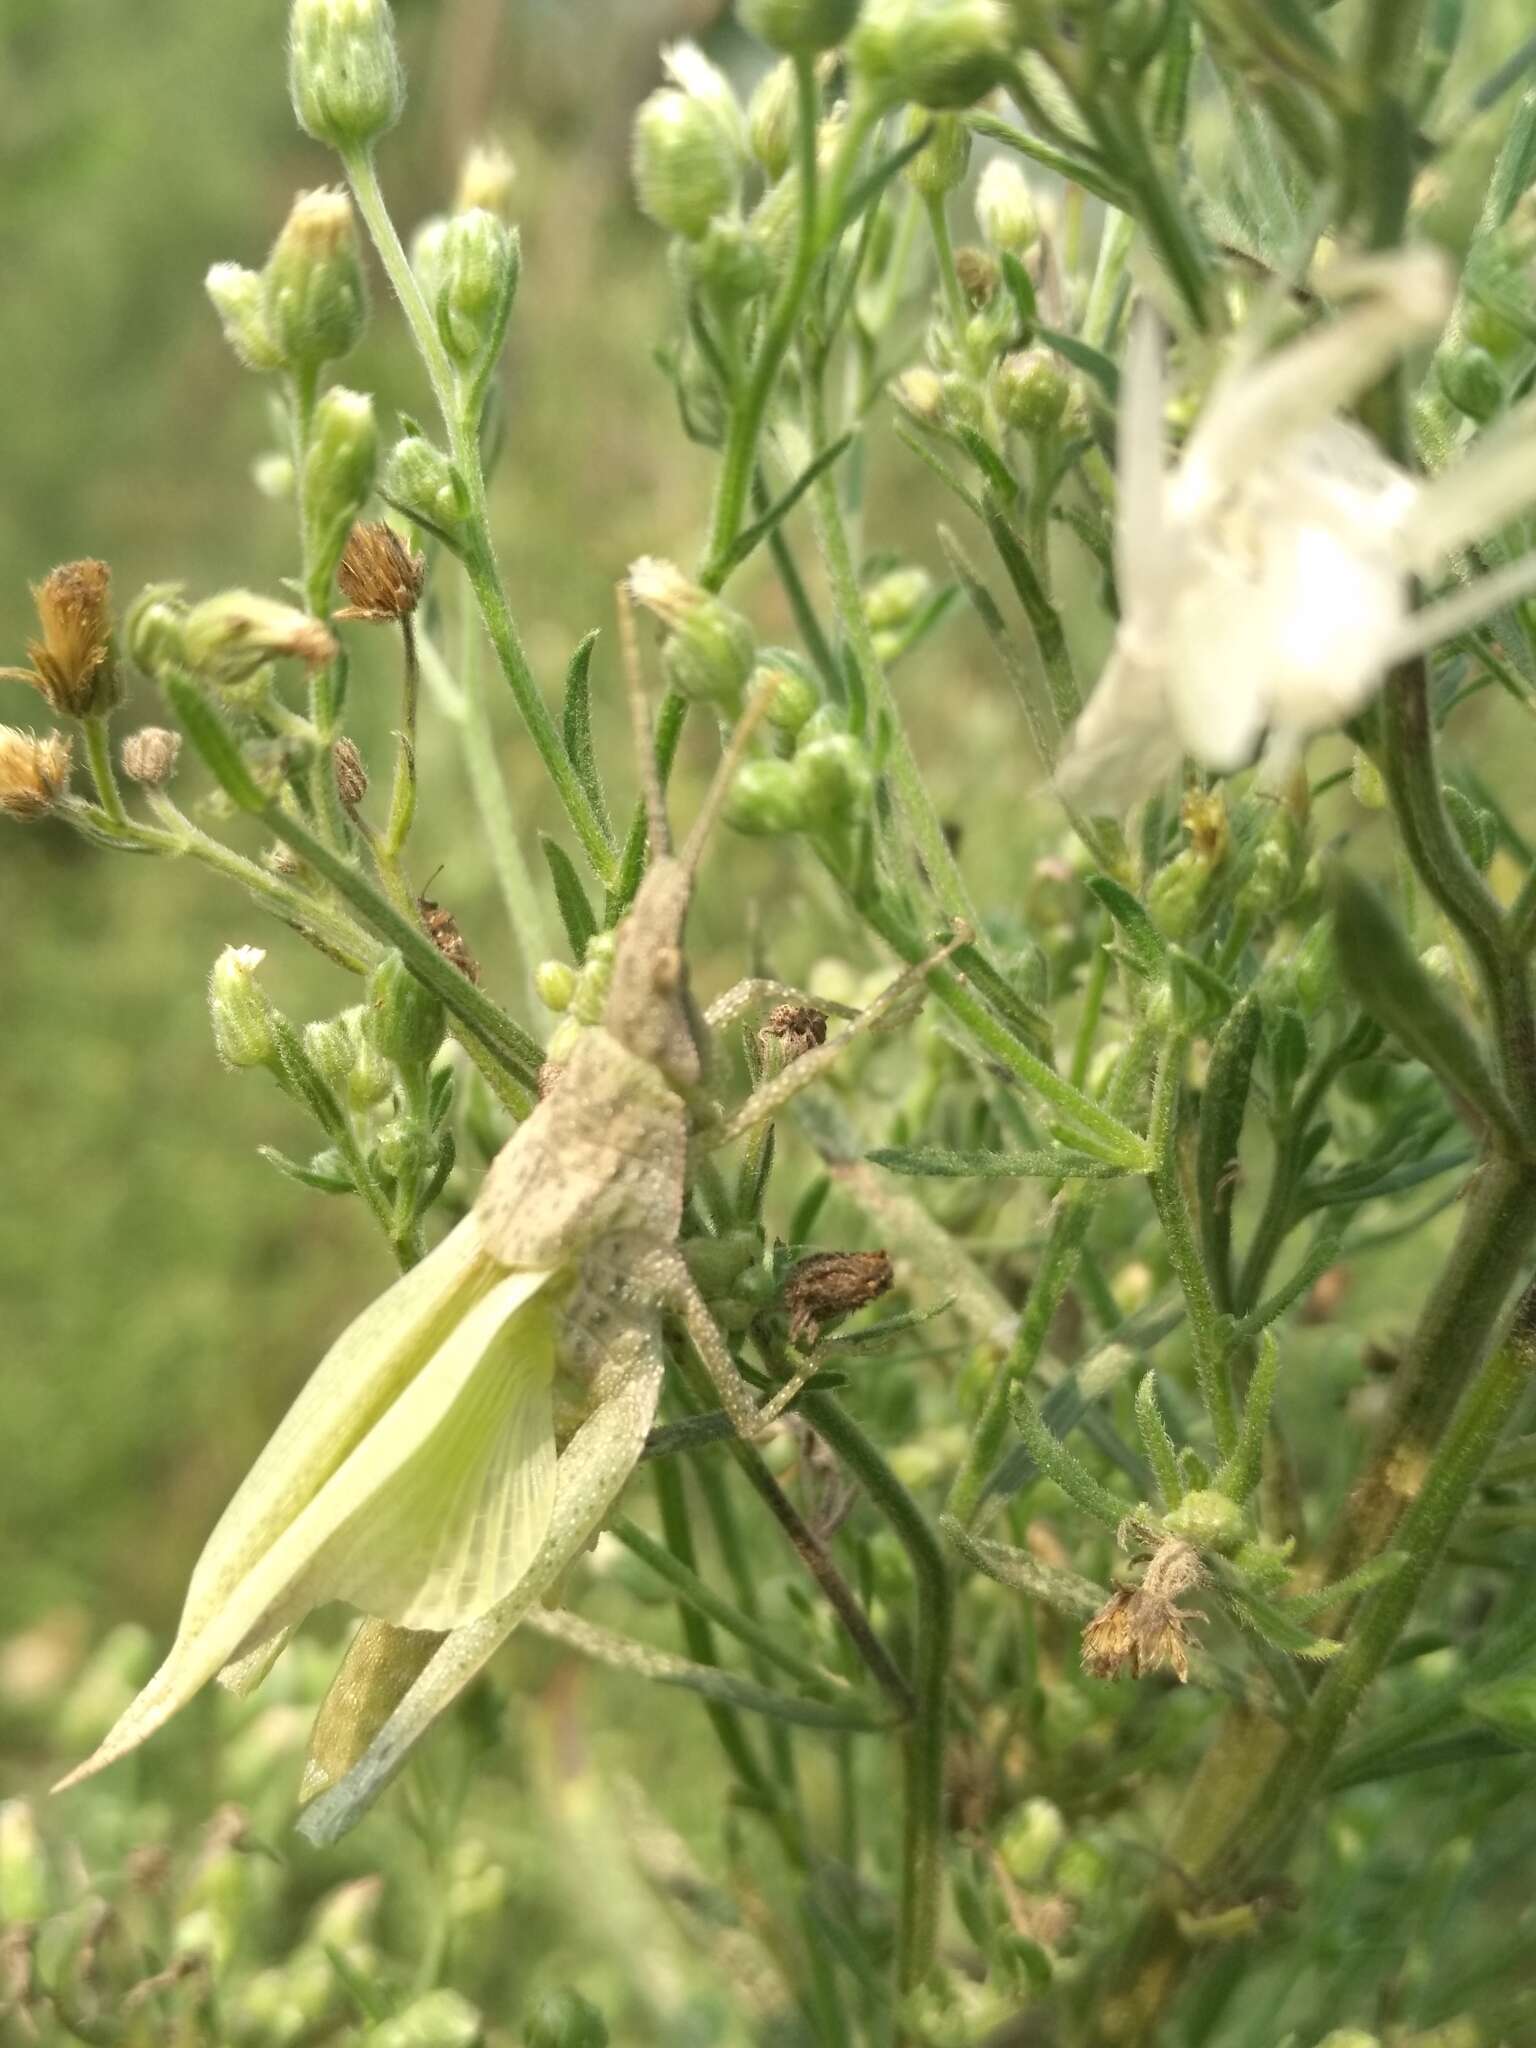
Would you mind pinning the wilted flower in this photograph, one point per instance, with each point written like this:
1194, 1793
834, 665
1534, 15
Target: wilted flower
34, 773
229, 637
149, 755
1140, 1628
73, 664
1264, 582
380, 577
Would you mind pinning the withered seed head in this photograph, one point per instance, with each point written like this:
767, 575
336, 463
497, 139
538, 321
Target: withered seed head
34, 773
832, 1284
351, 775
792, 1029
442, 928
1139, 1628
73, 665
149, 755
379, 576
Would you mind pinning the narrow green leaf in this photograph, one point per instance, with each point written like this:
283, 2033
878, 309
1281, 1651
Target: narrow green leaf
873, 183
1274, 1625
1222, 1106
1148, 952
1241, 1473
1077, 1598
990, 463
1091, 361
1157, 1443
1044, 732
1076, 170
577, 727
213, 740
1374, 1572
621, 1653
1020, 289
1057, 1463
576, 912
915, 445
1383, 973
1508, 1706
937, 1162
307, 1176
1476, 1746
752, 537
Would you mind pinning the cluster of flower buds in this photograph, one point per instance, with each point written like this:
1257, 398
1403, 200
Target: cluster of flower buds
689, 147
468, 262
308, 306
824, 787
709, 649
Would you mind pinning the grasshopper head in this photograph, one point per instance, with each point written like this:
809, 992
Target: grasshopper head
650, 1009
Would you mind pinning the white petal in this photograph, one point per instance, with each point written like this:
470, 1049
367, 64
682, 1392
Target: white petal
1424, 629
1140, 544
1255, 410
1122, 747
1476, 496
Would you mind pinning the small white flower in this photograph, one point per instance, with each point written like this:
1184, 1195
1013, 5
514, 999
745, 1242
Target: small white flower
1265, 581
702, 79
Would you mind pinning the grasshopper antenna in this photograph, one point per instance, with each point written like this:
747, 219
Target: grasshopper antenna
720, 783
658, 831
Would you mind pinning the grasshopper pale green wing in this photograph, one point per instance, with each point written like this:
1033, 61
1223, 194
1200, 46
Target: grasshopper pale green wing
590, 1475
413, 1477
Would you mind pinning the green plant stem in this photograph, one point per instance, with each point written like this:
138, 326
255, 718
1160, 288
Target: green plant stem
402, 796
916, 804
1074, 1212
923, 1736
1166, 1181
738, 463
521, 1055
476, 548
98, 755
1422, 1534
949, 277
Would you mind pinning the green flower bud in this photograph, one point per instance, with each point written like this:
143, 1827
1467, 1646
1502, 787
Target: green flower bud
240, 299
1005, 211
442, 2019
344, 71
421, 481
564, 2019
799, 26
1315, 969
941, 164
1032, 1839
229, 637
241, 1010
427, 246
1177, 892
730, 261
481, 259
961, 404
330, 1049
339, 473
1208, 1520
767, 797
894, 599
486, 178
403, 1020
1471, 380
795, 697
1083, 1870
937, 53
1475, 827
1031, 390
316, 300
153, 628
685, 168
555, 982
920, 394
836, 777
772, 115
710, 648
1365, 782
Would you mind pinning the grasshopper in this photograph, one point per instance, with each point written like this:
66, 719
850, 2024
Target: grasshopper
469, 1435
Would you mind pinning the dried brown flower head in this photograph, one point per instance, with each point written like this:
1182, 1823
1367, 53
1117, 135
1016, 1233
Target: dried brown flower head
351, 775
791, 1030
73, 665
832, 1284
442, 928
34, 773
379, 575
150, 754
978, 274
1140, 1628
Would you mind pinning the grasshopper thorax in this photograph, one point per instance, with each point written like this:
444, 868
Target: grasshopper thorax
650, 1008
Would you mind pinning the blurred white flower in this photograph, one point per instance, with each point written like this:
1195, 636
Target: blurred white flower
1265, 581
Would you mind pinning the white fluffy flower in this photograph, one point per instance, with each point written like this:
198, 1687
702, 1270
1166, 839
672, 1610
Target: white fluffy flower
1265, 582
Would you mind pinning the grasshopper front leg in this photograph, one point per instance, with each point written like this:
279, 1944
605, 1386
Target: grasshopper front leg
756, 993
667, 1274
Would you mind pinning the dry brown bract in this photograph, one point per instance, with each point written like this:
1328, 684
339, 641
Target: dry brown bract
379, 576
1139, 1628
792, 1029
832, 1284
149, 755
351, 775
73, 664
34, 773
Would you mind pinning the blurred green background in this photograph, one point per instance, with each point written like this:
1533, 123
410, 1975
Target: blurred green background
164, 1293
